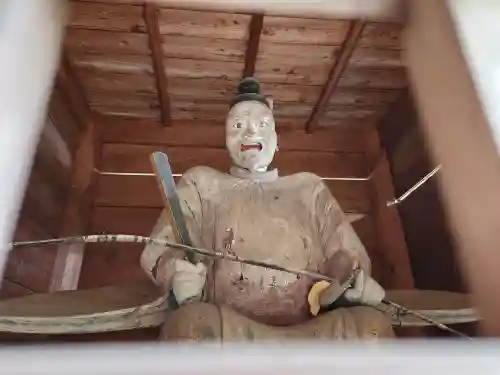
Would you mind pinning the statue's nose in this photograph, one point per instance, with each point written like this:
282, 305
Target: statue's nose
251, 128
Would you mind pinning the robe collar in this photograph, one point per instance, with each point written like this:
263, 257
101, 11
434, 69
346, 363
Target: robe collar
267, 176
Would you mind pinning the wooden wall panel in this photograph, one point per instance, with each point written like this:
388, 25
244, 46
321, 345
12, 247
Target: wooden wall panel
392, 250
199, 134
142, 191
135, 158
112, 264
430, 241
30, 269
63, 119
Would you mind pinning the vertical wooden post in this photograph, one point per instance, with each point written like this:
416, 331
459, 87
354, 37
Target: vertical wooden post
29, 30
461, 136
77, 211
69, 258
390, 236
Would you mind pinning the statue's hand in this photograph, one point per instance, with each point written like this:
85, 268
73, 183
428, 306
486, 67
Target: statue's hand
188, 281
365, 290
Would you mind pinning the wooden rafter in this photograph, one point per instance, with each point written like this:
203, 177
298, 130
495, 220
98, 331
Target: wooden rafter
253, 44
355, 31
152, 25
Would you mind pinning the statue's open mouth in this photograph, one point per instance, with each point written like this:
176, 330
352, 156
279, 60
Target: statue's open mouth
251, 146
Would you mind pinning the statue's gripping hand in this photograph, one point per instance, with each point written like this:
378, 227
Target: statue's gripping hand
188, 281
365, 290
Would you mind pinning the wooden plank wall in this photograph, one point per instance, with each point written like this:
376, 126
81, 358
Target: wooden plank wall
131, 204
30, 269
429, 239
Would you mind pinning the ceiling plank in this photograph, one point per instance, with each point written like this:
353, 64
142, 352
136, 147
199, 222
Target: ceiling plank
253, 44
152, 25
354, 34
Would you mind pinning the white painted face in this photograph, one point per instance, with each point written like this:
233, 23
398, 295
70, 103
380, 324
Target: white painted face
251, 136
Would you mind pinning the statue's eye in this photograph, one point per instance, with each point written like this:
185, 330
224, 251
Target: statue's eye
263, 123
238, 125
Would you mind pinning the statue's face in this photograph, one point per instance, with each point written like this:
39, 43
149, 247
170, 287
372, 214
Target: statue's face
251, 136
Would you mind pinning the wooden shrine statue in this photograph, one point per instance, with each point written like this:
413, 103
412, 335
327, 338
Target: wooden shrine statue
252, 212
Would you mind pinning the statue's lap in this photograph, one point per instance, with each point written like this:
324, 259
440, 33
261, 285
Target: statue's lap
207, 322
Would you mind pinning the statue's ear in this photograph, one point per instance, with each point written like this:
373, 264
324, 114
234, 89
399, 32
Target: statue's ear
270, 101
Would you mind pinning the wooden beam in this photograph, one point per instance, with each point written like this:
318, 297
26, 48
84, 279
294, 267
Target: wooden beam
76, 213
67, 83
391, 241
153, 28
375, 10
340, 65
255, 30
460, 133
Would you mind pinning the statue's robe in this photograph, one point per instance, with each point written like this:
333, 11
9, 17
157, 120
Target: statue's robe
292, 221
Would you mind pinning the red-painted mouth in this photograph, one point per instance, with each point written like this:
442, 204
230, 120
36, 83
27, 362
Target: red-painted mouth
251, 146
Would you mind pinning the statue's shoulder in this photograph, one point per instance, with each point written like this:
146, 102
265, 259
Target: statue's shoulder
306, 180
201, 174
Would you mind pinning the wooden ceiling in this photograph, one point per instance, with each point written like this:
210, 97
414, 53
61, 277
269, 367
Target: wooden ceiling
168, 65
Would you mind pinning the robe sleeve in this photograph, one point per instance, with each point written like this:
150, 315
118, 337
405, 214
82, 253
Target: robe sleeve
341, 246
161, 258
